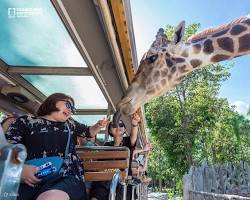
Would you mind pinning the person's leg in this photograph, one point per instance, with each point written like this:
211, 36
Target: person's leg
100, 191
64, 188
129, 192
88, 185
53, 195
119, 192
26, 192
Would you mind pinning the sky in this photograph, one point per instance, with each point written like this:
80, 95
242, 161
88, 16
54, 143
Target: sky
150, 15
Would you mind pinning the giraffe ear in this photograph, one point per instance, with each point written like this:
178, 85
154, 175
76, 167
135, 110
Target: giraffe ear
179, 32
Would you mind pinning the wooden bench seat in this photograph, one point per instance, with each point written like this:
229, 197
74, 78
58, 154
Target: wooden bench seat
100, 163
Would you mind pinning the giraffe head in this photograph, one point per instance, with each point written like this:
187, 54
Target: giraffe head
167, 62
157, 68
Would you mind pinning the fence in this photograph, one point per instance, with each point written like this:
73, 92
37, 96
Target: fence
220, 182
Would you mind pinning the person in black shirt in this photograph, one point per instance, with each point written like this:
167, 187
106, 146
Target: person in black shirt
46, 135
100, 190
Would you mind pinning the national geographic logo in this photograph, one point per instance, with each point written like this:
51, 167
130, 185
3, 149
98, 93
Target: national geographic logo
8, 195
23, 12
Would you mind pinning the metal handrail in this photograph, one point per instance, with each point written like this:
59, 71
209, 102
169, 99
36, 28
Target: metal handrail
12, 157
113, 185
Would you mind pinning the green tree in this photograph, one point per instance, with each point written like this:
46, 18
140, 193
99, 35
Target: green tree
192, 123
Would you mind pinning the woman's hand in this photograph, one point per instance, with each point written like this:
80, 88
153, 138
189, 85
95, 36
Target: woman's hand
135, 119
102, 123
28, 175
147, 147
97, 127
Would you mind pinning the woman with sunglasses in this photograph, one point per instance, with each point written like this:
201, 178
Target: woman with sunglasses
100, 190
46, 135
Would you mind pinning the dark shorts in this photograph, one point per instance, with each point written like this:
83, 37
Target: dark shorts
100, 191
88, 184
73, 187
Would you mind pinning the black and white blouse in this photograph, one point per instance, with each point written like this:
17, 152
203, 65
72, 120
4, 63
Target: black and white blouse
43, 138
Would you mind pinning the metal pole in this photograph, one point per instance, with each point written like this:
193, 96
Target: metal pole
12, 157
133, 192
113, 185
124, 191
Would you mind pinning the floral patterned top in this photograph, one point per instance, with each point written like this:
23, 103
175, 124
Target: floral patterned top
44, 138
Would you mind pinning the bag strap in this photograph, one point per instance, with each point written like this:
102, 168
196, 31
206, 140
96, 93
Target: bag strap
68, 142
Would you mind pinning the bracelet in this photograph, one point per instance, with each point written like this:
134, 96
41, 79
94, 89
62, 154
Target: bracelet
133, 125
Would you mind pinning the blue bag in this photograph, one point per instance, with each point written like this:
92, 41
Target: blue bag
56, 162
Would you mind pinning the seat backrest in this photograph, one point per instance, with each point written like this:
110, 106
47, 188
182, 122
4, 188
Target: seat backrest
100, 163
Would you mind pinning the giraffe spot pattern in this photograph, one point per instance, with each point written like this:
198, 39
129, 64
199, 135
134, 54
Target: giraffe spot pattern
198, 40
219, 57
179, 79
144, 75
162, 65
156, 76
184, 54
195, 63
169, 62
226, 43
149, 81
197, 48
146, 71
179, 60
158, 87
164, 73
183, 69
163, 82
173, 70
244, 43
208, 47
236, 30
220, 33
151, 91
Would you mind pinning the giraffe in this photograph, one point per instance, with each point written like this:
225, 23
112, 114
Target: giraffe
167, 62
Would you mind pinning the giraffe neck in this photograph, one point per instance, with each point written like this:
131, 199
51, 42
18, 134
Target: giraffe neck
230, 41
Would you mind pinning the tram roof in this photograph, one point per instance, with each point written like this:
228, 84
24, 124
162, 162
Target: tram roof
85, 49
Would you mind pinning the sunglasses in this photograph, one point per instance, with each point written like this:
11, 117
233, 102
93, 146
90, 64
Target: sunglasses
121, 124
70, 106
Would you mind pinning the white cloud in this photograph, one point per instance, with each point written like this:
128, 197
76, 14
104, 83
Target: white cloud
241, 107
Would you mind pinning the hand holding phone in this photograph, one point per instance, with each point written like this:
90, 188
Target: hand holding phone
45, 170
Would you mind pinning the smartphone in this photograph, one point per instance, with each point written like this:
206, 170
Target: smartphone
45, 172
45, 165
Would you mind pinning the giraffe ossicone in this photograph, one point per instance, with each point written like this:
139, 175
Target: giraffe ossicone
167, 62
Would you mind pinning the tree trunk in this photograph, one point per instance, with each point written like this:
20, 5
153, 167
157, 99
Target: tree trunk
160, 185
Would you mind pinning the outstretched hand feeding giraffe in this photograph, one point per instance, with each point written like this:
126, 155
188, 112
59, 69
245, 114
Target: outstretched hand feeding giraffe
167, 62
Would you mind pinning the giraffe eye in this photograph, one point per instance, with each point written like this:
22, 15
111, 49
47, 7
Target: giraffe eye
152, 58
